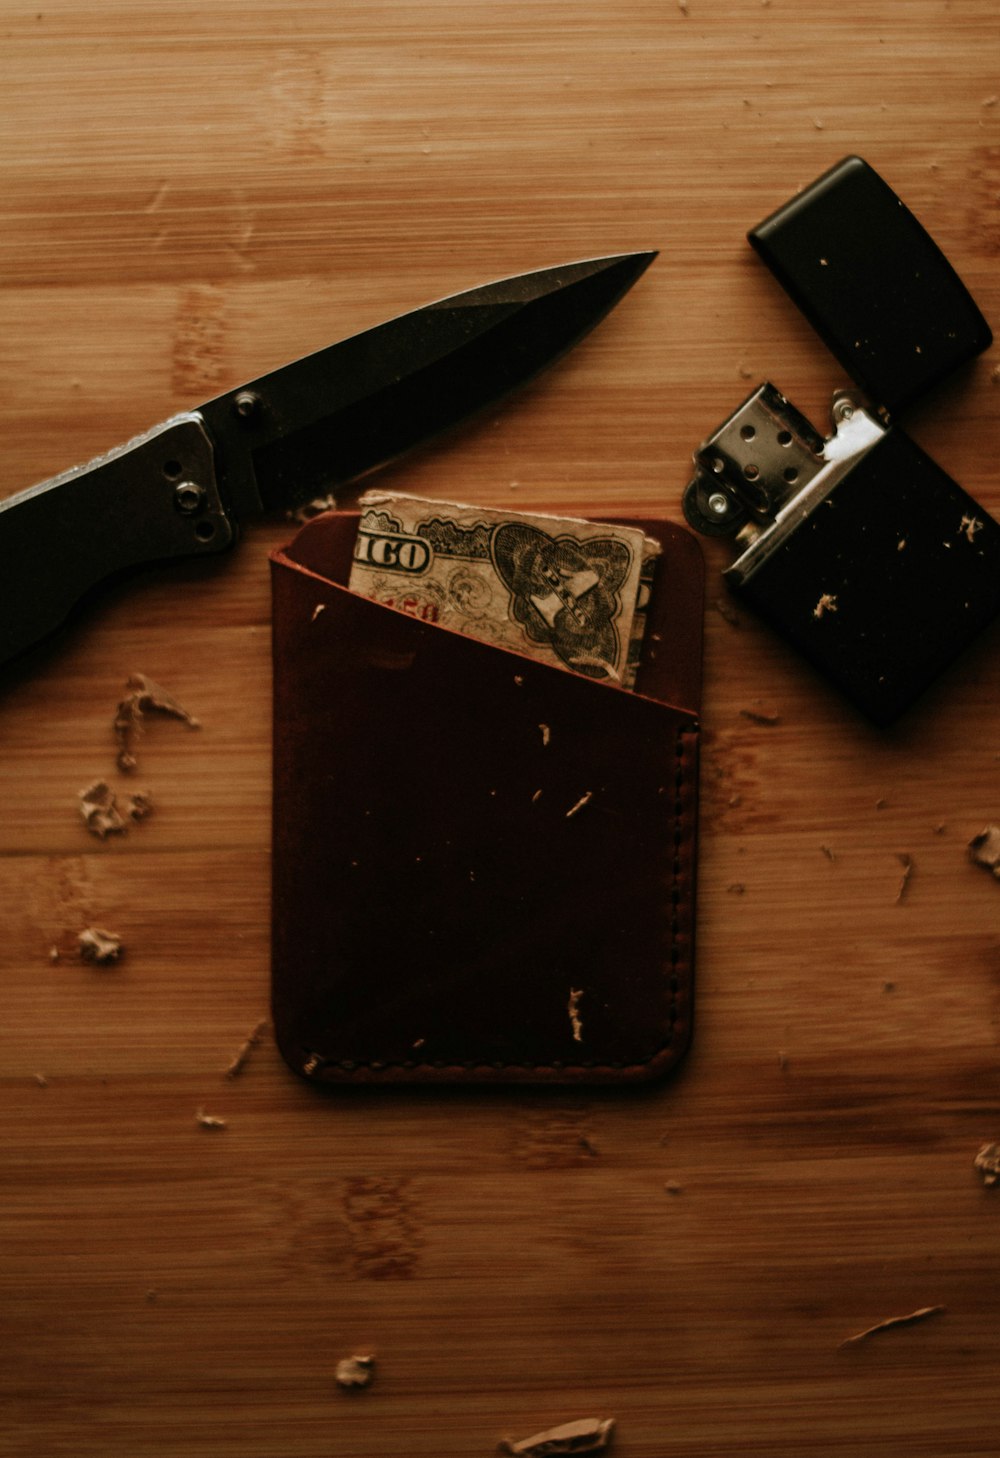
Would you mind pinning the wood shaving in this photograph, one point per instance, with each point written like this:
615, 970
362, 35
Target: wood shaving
674, 1187
355, 1371
101, 815
583, 800
759, 717
984, 849
588, 660
907, 863
721, 606
139, 805
588, 1435
829, 852
209, 1121
143, 697
319, 608
100, 811
317, 507
41, 1080
826, 604
573, 1011
546, 733
919, 1315
987, 1161
246, 1048
100, 946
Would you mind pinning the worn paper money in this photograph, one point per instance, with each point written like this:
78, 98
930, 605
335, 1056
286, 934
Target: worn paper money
568, 592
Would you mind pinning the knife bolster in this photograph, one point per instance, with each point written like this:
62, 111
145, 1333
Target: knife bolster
153, 499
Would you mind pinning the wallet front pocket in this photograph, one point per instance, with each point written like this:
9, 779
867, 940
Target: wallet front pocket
483, 866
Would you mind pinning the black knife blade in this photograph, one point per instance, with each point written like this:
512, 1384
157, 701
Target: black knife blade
183, 488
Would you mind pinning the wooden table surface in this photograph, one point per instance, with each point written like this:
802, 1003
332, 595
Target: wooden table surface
193, 194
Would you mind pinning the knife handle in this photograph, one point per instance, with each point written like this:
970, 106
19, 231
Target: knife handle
153, 499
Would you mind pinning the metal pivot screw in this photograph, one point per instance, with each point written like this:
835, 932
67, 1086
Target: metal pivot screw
189, 497
247, 405
843, 408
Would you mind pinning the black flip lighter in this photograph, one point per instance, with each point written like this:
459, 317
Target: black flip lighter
857, 548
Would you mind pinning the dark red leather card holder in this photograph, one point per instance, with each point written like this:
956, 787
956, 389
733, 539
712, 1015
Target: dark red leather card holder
483, 866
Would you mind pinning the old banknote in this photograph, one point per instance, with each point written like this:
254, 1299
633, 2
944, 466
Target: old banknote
569, 592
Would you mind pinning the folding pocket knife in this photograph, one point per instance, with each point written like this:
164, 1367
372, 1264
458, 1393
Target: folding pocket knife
183, 488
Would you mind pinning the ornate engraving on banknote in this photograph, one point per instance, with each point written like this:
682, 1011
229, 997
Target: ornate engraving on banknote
569, 592
449, 539
565, 593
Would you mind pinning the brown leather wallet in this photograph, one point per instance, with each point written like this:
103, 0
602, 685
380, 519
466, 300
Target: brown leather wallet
483, 866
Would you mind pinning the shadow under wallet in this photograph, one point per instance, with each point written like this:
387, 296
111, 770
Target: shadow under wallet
483, 866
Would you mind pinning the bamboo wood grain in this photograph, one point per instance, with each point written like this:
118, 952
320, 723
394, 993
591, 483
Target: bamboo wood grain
193, 195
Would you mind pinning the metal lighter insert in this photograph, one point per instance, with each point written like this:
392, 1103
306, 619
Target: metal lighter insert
856, 546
